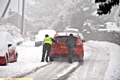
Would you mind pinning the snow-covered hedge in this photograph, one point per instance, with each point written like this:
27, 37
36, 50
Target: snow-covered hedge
13, 30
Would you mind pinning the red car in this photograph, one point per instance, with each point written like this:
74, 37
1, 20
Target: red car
61, 49
8, 51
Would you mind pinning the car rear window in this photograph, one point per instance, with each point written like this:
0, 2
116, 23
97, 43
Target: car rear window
61, 38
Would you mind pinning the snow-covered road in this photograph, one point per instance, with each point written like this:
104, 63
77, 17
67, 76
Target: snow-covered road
97, 64
95, 56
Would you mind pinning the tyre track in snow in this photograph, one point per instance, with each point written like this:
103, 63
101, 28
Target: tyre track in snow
67, 75
88, 70
55, 71
91, 63
31, 71
52, 71
97, 58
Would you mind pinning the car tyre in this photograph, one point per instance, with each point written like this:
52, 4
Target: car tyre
51, 58
6, 60
16, 56
83, 54
70, 58
81, 58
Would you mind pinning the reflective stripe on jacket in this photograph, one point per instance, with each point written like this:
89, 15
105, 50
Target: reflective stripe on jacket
47, 40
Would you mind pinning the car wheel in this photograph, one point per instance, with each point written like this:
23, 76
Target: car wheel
83, 41
83, 54
51, 57
16, 56
81, 58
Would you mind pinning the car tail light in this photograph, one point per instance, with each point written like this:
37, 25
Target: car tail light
78, 43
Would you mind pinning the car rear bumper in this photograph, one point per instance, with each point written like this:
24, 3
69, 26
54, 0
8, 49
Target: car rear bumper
65, 51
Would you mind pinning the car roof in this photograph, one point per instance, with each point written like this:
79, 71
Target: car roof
65, 34
6, 37
41, 34
43, 30
3, 29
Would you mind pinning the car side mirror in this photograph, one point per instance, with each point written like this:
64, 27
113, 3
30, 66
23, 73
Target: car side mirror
83, 40
9, 45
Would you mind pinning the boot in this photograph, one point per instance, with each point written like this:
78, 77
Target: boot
42, 60
47, 60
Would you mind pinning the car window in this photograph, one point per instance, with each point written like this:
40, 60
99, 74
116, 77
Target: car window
61, 38
64, 38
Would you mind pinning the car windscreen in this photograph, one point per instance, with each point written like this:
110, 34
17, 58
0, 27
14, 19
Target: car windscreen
61, 38
3, 41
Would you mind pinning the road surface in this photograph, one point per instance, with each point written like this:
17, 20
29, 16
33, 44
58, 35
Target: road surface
90, 69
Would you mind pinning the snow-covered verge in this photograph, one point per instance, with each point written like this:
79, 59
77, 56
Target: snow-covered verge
28, 59
14, 31
113, 71
30, 56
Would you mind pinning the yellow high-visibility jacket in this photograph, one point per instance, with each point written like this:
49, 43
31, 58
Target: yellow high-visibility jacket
48, 40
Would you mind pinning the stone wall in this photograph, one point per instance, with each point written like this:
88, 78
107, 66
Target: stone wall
113, 37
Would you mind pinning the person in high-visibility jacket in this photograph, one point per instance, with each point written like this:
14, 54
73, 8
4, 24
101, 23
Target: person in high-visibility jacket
47, 43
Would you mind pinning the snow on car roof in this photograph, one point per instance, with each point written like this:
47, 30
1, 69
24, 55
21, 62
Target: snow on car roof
61, 34
41, 34
5, 37
47, 31
3, 28
71, 30
64, 33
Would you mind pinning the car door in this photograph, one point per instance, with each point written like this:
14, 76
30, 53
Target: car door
11, 48
11, 52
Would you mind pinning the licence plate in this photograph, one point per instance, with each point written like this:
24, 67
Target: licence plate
63, 47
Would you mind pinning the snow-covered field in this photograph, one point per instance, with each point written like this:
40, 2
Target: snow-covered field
30, 56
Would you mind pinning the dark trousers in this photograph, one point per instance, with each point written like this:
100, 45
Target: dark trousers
46, 49
70, 54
